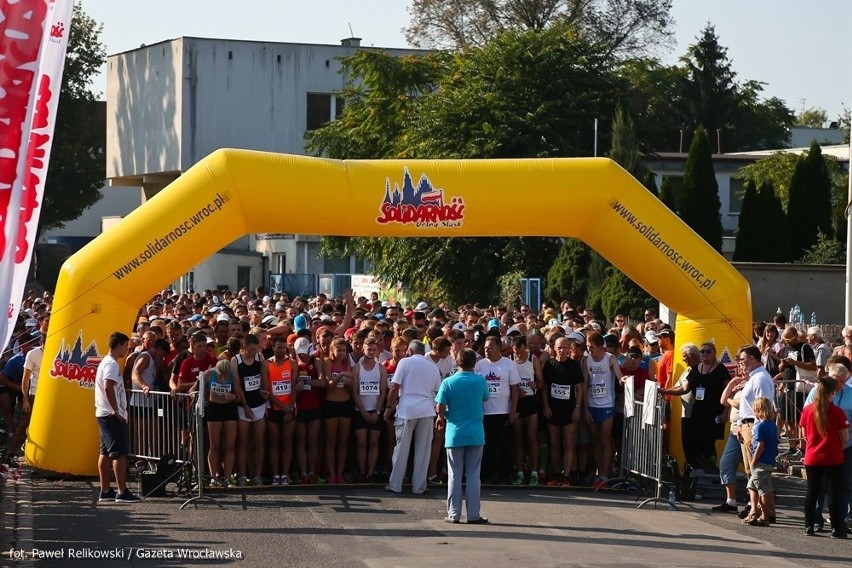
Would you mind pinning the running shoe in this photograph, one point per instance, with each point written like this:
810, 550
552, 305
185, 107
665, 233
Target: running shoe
107, 495
257, 481
725, 508
126, 496
216, 482
519, 478
285, 480
233, 481
242, 481
276, 480
566, 482
599, 483
533, 478
479, 521
312, 479
434, 480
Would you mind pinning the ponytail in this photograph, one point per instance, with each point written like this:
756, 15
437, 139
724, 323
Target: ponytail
824, 393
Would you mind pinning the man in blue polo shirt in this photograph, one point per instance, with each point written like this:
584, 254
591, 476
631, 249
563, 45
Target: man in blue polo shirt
460, 413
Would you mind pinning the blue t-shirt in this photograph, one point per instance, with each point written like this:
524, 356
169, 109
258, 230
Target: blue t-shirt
463, 394
14, 369
842, 400
767, 432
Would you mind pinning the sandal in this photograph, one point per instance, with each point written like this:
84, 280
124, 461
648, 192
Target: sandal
749, 519
759, 523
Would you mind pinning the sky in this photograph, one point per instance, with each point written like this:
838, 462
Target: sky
799, 49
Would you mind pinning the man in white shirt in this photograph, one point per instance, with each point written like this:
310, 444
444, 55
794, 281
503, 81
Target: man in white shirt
111, 413
501, 375
412, 395
758, 384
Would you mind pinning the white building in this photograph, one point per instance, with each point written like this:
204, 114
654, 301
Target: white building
172, 103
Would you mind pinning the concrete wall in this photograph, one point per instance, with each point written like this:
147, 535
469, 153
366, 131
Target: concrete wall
115, 201
815, 288
220, 269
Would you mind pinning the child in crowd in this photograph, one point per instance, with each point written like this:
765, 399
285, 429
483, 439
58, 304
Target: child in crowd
764, 450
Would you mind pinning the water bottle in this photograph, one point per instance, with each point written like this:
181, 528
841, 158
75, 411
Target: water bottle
798, 313
813, 318
672, 498
792, 317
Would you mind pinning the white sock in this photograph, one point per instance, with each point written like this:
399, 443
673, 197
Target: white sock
731, 502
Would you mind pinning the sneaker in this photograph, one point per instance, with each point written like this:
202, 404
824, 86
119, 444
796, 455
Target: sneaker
745, 512
479, 521
809, 530
839, 533
276, 480
242, 481
758, 523
519, 478
556, 481
451, 520
533, 478
285, 480
599, 483
725, 508
216, 483
257, 481
107, 495
126, 496
233, 481
566, 482
434, 480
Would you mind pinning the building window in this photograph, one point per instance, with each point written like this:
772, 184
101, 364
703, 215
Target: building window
735, 195
322, 108
244, 277
281, 263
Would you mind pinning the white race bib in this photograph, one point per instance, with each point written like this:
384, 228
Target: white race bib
525, 386
252, 383
494, 387
281, 387
561, 392
306, 382
598, 391
220, 388
369, 387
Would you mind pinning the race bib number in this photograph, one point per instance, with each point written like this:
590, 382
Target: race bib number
306, 382
561, 392
494, 387
598, 391
252, 383
369, 387
281, 387
526, 386
699, 393
337, 379
220, 388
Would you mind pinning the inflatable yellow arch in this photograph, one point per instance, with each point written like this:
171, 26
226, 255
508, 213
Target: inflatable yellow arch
235, 192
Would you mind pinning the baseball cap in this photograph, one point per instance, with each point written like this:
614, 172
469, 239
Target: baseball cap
195, 318
493, 323
302, 346
421, 307
576, 336
223, 317
634, 351
610, 340
269, 320
651, 337
665, 333
513, 330
459, 326
300, 322
552, 322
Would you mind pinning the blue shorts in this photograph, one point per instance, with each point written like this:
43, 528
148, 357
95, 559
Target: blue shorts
601, 414
114, 442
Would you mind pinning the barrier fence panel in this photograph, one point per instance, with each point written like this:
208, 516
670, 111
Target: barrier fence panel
642, 447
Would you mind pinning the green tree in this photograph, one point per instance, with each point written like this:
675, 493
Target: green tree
699, 204
749, 237
777, 169
667, 195
566, 278
620, 295
711, 87
812, 118
809, 210
625, 27
624, 149
77, 160
650, 182
825, 251
761, 220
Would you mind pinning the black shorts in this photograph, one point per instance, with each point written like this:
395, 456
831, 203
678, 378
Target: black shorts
337, 409
358, 422
219, 412
527, 406
114, 442
278, 416
561, 415
307, 416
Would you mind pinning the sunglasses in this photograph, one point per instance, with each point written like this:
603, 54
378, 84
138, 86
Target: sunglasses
705, 351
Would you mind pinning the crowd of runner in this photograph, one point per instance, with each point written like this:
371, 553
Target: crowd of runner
302, 390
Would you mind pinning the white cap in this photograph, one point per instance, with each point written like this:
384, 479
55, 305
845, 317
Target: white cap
459, 326
651, 337
421, 306
269, 320
265, 299
553, 323
302, 346
223, 317
513, 329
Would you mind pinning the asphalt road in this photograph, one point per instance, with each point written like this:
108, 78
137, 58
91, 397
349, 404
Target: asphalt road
335, 526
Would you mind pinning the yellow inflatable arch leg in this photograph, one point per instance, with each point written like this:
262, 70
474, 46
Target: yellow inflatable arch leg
235, 192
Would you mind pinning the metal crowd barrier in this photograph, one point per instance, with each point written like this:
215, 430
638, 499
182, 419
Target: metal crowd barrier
789, 400
642, 450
